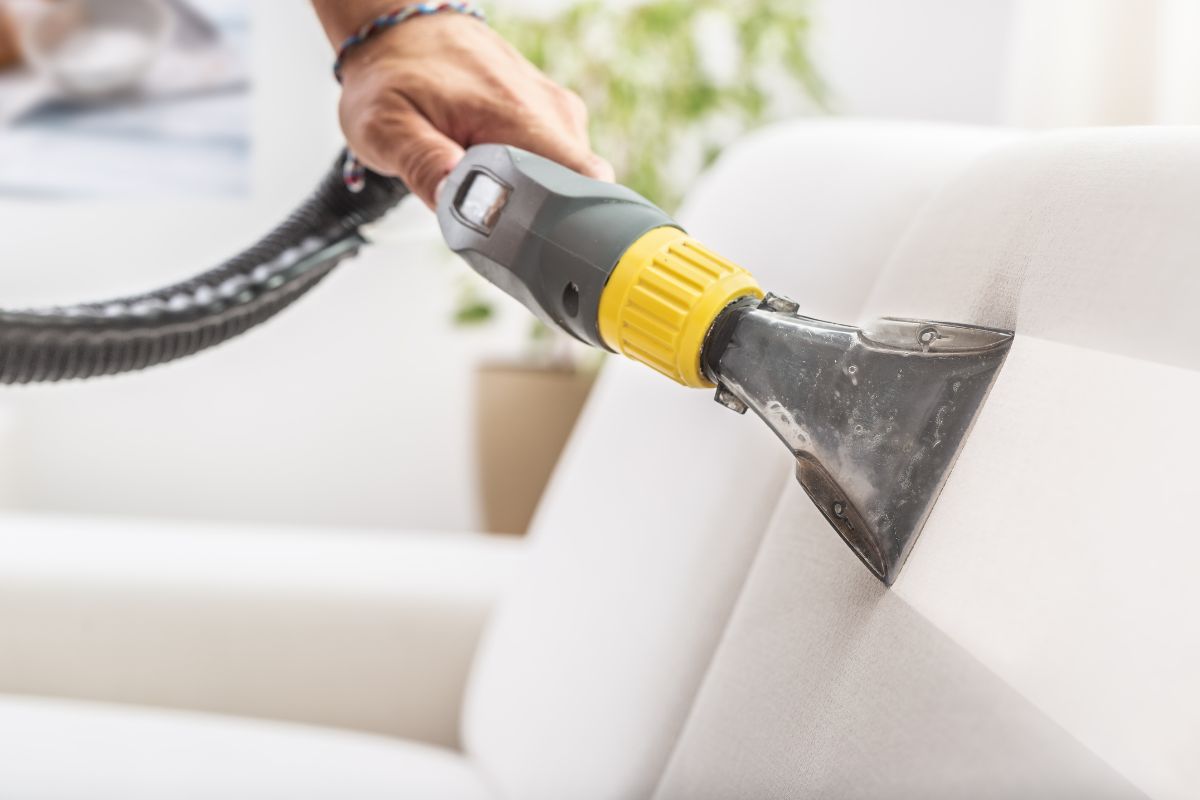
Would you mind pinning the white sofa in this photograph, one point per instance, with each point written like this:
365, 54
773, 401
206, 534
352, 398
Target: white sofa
682, 623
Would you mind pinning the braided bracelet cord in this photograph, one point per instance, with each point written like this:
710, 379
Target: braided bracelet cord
354, 174
394, 18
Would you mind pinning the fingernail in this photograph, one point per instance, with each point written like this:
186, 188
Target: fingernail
437, 192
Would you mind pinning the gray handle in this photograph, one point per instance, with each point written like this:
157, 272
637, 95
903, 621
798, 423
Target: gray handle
545, 234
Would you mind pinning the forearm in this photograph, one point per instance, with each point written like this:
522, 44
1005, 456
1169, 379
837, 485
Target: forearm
340, 18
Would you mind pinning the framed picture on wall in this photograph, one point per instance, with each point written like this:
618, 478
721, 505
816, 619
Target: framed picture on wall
124, 98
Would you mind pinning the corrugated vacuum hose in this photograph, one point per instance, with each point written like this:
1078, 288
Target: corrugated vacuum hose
132, 333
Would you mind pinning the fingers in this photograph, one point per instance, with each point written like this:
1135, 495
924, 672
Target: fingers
555, 127
402, 142
413, 123
601, 170
569, 151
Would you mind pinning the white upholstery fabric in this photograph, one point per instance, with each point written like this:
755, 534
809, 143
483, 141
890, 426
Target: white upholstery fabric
1080, 595
658, 507
373, 631
829, 685
69, 750
685, 624
1041, 640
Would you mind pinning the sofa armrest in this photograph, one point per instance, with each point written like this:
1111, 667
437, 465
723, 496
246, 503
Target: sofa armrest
364, 630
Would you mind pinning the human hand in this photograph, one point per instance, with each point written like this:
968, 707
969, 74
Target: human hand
414, 96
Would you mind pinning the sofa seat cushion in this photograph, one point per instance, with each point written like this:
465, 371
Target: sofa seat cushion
66, 749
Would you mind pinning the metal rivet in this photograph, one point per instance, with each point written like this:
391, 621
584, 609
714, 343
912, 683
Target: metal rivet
730, 400
781, 304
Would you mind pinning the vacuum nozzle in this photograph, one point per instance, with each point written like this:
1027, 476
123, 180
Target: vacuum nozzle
875, 417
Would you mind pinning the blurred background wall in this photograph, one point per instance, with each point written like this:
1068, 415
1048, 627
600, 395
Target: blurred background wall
355, 407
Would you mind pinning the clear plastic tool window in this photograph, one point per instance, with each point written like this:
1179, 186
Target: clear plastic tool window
480, 204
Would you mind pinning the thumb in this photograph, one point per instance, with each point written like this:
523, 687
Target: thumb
600, 169
417, 152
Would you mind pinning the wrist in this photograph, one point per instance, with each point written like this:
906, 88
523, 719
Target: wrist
367, 56
398, 17
342, 19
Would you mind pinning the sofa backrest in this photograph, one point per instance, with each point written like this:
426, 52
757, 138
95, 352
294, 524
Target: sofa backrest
1042, 639
658, 508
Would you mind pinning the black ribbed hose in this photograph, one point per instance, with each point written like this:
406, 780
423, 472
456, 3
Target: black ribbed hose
132, 333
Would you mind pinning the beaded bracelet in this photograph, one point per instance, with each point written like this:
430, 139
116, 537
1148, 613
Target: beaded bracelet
394, 18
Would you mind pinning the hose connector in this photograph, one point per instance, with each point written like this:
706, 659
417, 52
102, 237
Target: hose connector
663, 297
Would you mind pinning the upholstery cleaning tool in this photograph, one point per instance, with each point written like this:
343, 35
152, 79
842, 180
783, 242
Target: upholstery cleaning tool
874, 416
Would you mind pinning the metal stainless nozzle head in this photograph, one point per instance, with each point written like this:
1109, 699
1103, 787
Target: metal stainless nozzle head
874, 416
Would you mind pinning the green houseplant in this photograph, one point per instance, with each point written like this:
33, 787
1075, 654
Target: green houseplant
668, 84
